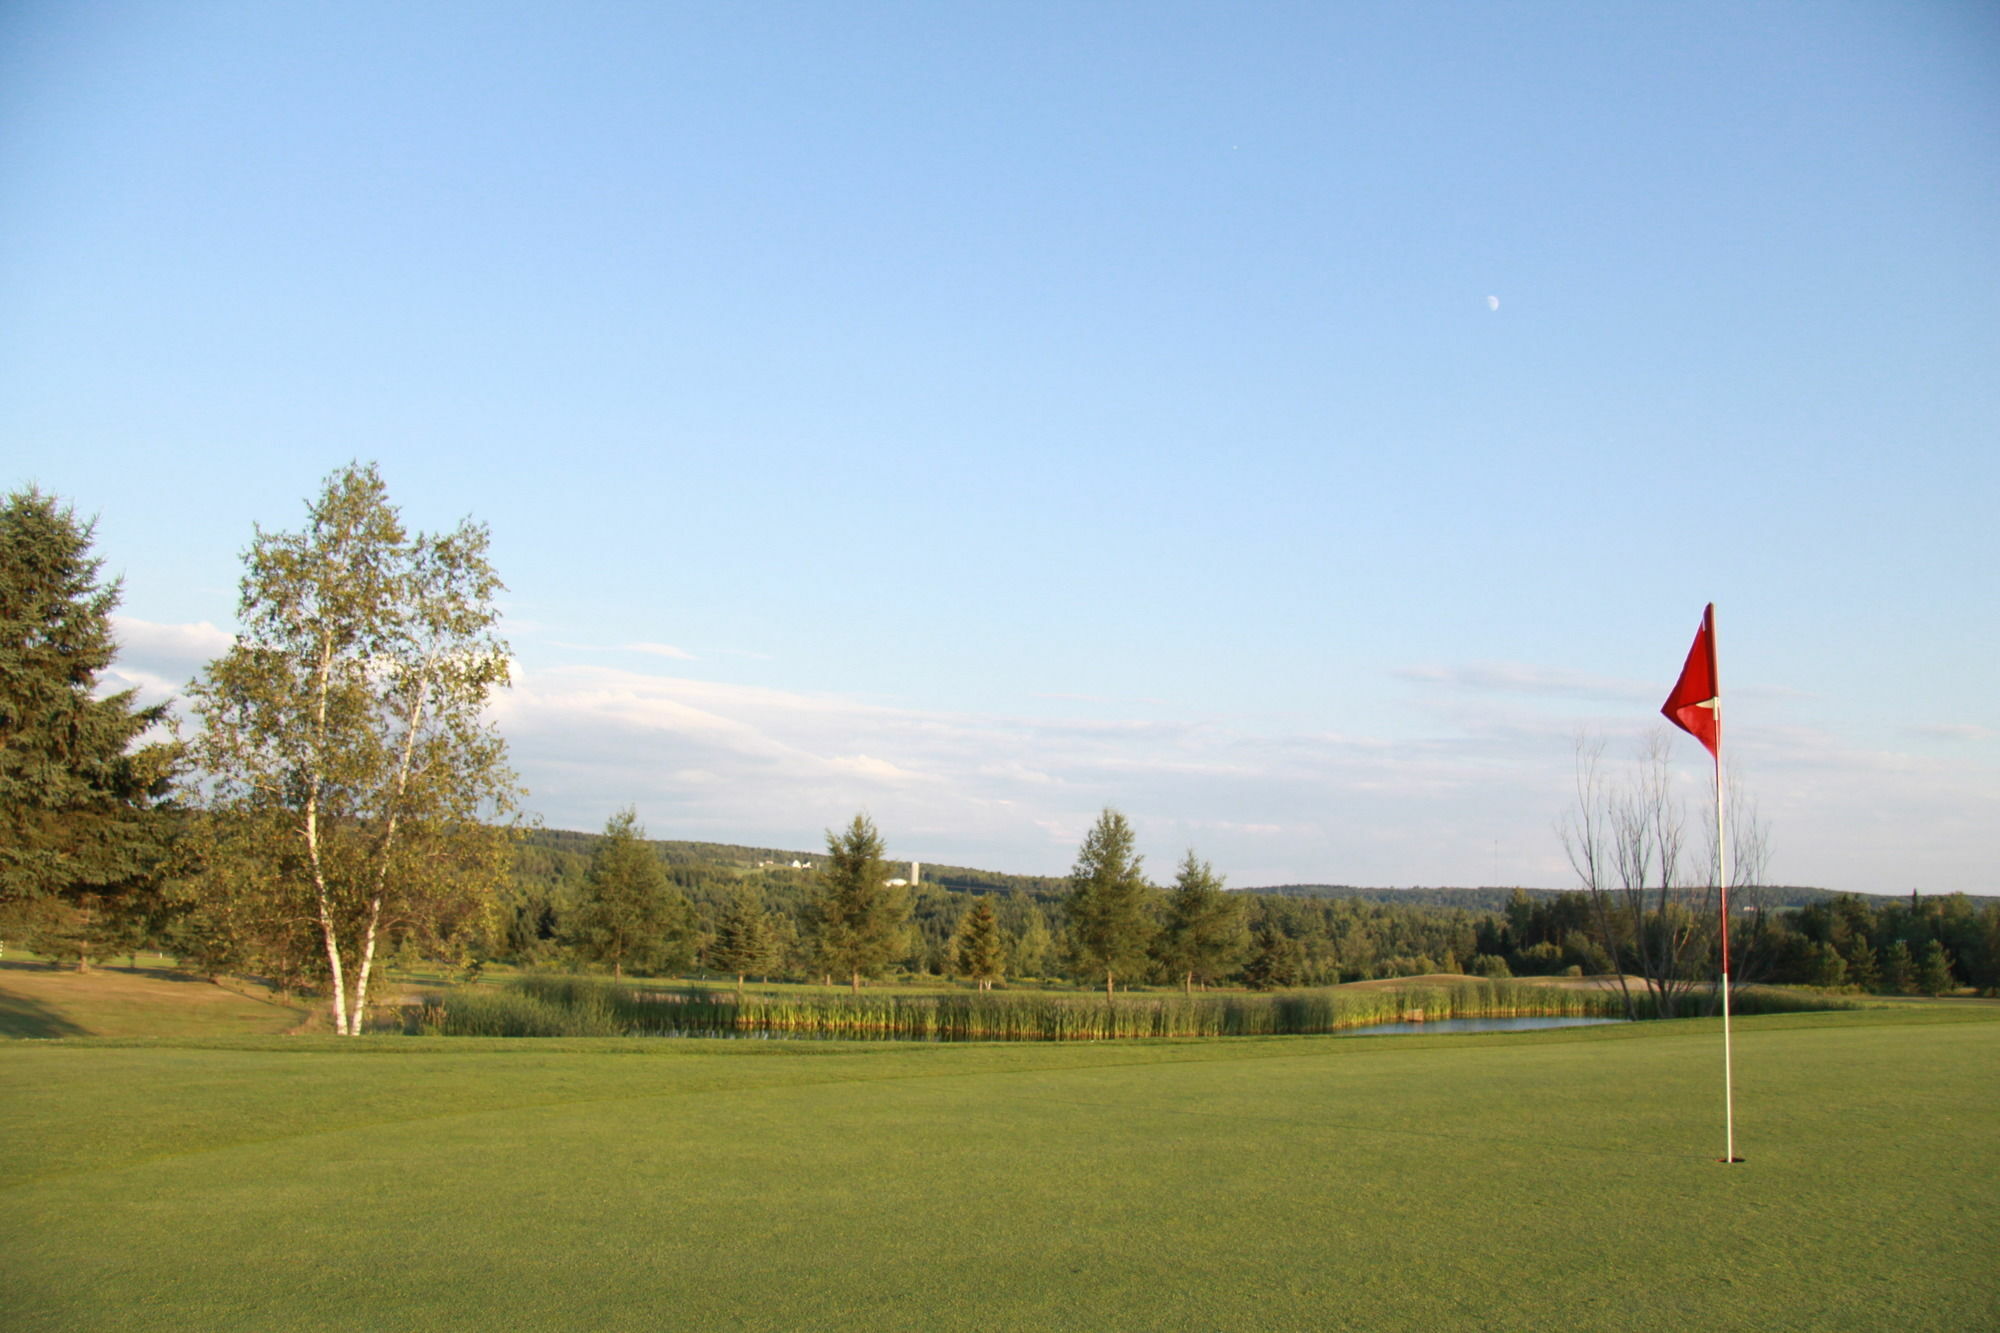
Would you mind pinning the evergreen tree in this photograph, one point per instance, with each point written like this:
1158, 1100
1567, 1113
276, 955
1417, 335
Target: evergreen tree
1862, 969
1899, 969
84, 825
980, 954
858, 921
1276, 959
1934, 970
1204, 935
1110, 903
744, 942
628, 915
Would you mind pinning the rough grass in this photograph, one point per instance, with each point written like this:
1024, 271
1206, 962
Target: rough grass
37, 1000
1563, 1179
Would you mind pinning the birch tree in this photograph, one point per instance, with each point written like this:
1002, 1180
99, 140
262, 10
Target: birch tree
353, 780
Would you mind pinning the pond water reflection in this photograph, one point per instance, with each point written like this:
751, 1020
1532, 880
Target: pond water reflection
1440, 1025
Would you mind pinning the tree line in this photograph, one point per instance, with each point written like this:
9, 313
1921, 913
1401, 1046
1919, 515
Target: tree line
338, 802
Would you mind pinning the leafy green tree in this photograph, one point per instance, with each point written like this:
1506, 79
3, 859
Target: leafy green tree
744, 941
85, 826
1204, 935
353, 780
627, 914
1033, 948
1934, 970
856, 919
980, 953
1829, 968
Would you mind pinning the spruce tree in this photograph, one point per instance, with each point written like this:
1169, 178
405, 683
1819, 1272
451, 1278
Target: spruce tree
1862, 969
1110, 903
83, 820
980, 954
1934, 970
628, 914
1204, 935
1899, 969
1277, 959
744, 942
857, 919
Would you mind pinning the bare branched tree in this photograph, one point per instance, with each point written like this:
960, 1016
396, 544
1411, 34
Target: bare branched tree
1626, 841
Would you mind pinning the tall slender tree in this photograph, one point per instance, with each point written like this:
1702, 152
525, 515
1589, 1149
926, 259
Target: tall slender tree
858, 921
1110, 903
980, 953
84, 822
1204, 935
353, 779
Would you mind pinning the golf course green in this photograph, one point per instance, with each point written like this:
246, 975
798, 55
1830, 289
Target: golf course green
1560, 1179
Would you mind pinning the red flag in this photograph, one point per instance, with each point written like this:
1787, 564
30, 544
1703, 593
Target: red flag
1695, 706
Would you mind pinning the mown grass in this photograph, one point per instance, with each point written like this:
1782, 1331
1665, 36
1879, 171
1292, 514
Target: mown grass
584, 1007
1563, 1179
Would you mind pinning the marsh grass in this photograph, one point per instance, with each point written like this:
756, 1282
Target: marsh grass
587, 1007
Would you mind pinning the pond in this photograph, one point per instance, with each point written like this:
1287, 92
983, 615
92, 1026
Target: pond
1437, 1026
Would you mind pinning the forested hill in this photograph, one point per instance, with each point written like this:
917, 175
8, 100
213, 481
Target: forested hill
564, 843
1496, 899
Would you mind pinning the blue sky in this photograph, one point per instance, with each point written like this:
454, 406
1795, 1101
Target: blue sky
981, 414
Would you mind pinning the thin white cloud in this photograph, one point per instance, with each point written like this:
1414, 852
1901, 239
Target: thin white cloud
1955, 731
1469, 800
152, 642
720, 760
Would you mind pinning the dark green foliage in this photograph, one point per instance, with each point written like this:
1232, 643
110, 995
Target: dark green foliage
1934, 970
1110, 904
627, 914
1275, 960
857, 921
744, 942
1829, 968
980, 954
1899, 969
1203, 936
82, 801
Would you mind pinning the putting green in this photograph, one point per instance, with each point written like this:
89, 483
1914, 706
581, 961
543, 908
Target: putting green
1539, 1180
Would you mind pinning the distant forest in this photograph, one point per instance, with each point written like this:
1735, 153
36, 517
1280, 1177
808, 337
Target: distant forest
1301, 934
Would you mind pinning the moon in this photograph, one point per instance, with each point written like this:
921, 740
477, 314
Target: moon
1492, 303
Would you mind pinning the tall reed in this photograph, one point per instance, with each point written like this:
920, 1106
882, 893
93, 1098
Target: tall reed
562, 1006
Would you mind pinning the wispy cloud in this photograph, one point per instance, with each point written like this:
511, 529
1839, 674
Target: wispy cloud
1955, 731
1381, 805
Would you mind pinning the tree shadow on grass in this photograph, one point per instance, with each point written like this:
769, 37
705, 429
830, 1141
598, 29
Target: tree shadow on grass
22, 1017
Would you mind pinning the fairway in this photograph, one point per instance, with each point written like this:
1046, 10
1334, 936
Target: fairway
1558, 1179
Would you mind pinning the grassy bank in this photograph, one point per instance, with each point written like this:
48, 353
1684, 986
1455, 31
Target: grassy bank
580, 1007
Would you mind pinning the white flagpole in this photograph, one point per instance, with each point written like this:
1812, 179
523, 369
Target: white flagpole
1722, 885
